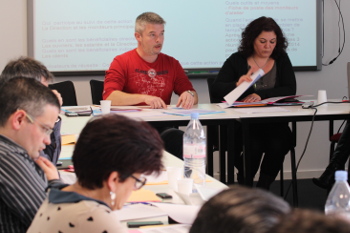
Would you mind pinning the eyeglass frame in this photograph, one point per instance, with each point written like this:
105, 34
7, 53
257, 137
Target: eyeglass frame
139, 183
47, 130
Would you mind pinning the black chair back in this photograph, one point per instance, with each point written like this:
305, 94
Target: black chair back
67, 91
96, 91
212, 98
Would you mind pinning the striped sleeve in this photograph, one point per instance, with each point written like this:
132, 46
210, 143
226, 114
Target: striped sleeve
22, 186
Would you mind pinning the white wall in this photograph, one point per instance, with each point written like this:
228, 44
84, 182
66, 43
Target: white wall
331, 78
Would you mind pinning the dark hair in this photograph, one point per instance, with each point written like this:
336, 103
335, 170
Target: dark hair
25, 67
240, 209
311, 221
116, 143
253, 30
24, 93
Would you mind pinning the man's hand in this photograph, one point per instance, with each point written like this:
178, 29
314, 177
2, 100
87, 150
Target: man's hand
49, 169
155, 102
186, 100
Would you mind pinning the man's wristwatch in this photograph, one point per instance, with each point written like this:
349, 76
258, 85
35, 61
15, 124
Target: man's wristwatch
191, 93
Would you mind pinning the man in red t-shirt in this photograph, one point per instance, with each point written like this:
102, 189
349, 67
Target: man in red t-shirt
145, 76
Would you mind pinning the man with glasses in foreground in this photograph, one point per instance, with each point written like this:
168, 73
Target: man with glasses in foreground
28, 111
111, 156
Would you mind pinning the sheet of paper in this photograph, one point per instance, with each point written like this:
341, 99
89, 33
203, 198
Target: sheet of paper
69, 139
179, 213
139, 211
262, 110
188, 112
176, 228
238, 91
67, 151
206, 192
68, 177
143, 195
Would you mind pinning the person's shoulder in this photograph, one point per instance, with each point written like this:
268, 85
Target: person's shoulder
282, 55
236, 57
103, 216
126, 54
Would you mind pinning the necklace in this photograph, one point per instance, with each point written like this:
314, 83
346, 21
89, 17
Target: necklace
261, 67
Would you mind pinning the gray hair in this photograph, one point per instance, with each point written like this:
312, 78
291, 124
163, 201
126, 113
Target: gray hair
145, 18
26, 67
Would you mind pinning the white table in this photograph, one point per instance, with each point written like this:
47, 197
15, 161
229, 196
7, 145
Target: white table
156, 117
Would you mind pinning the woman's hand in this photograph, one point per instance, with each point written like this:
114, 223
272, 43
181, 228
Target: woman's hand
251, 98
246, 77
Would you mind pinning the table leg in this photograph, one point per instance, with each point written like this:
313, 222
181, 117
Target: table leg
247, 146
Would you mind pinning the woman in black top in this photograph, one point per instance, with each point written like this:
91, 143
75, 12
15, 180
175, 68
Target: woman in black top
263, 46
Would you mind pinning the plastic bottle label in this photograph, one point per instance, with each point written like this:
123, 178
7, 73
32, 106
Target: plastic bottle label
194, 151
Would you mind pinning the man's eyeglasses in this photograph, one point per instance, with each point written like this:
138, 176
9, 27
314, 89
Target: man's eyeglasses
139, 182
47, 130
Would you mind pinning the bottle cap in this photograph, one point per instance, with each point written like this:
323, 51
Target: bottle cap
194, 115
341, 175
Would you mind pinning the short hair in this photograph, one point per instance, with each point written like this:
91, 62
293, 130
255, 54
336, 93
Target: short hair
240, 209
27, 94
116, 143
253, 30
25, 67
311, 221
147, 18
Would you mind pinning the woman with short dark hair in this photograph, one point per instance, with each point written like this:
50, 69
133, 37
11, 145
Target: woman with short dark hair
111, 156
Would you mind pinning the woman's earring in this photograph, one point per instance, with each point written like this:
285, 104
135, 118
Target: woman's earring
112, 197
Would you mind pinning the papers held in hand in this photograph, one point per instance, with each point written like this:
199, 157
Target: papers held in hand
239, 90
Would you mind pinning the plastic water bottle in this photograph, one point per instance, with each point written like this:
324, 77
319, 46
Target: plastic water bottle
194, 151
338, 201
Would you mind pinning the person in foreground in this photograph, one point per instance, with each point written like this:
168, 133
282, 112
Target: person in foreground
240, 209
263, 46
145, 76
109, 165
310, 221
31, 68
28, 112
338, 160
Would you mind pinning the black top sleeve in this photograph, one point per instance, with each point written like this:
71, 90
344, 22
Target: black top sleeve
236, 66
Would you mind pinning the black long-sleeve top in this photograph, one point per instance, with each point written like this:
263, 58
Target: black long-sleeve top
236, 66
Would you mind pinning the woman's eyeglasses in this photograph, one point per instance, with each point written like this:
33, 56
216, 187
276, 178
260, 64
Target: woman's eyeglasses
139, 182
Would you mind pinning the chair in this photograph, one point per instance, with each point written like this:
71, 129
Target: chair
220, 139
67, 91
96, 91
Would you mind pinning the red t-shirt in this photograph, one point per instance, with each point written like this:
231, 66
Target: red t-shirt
131, 74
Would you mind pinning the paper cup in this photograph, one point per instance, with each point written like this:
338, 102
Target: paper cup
322, 97
105, 106
185, 186
174, 174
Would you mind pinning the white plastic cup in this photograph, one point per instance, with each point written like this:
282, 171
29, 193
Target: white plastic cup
105, 106
322, 97
185, 186
174, 174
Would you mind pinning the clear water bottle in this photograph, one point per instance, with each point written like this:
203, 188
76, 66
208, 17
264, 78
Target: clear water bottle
338, 201
194, 151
